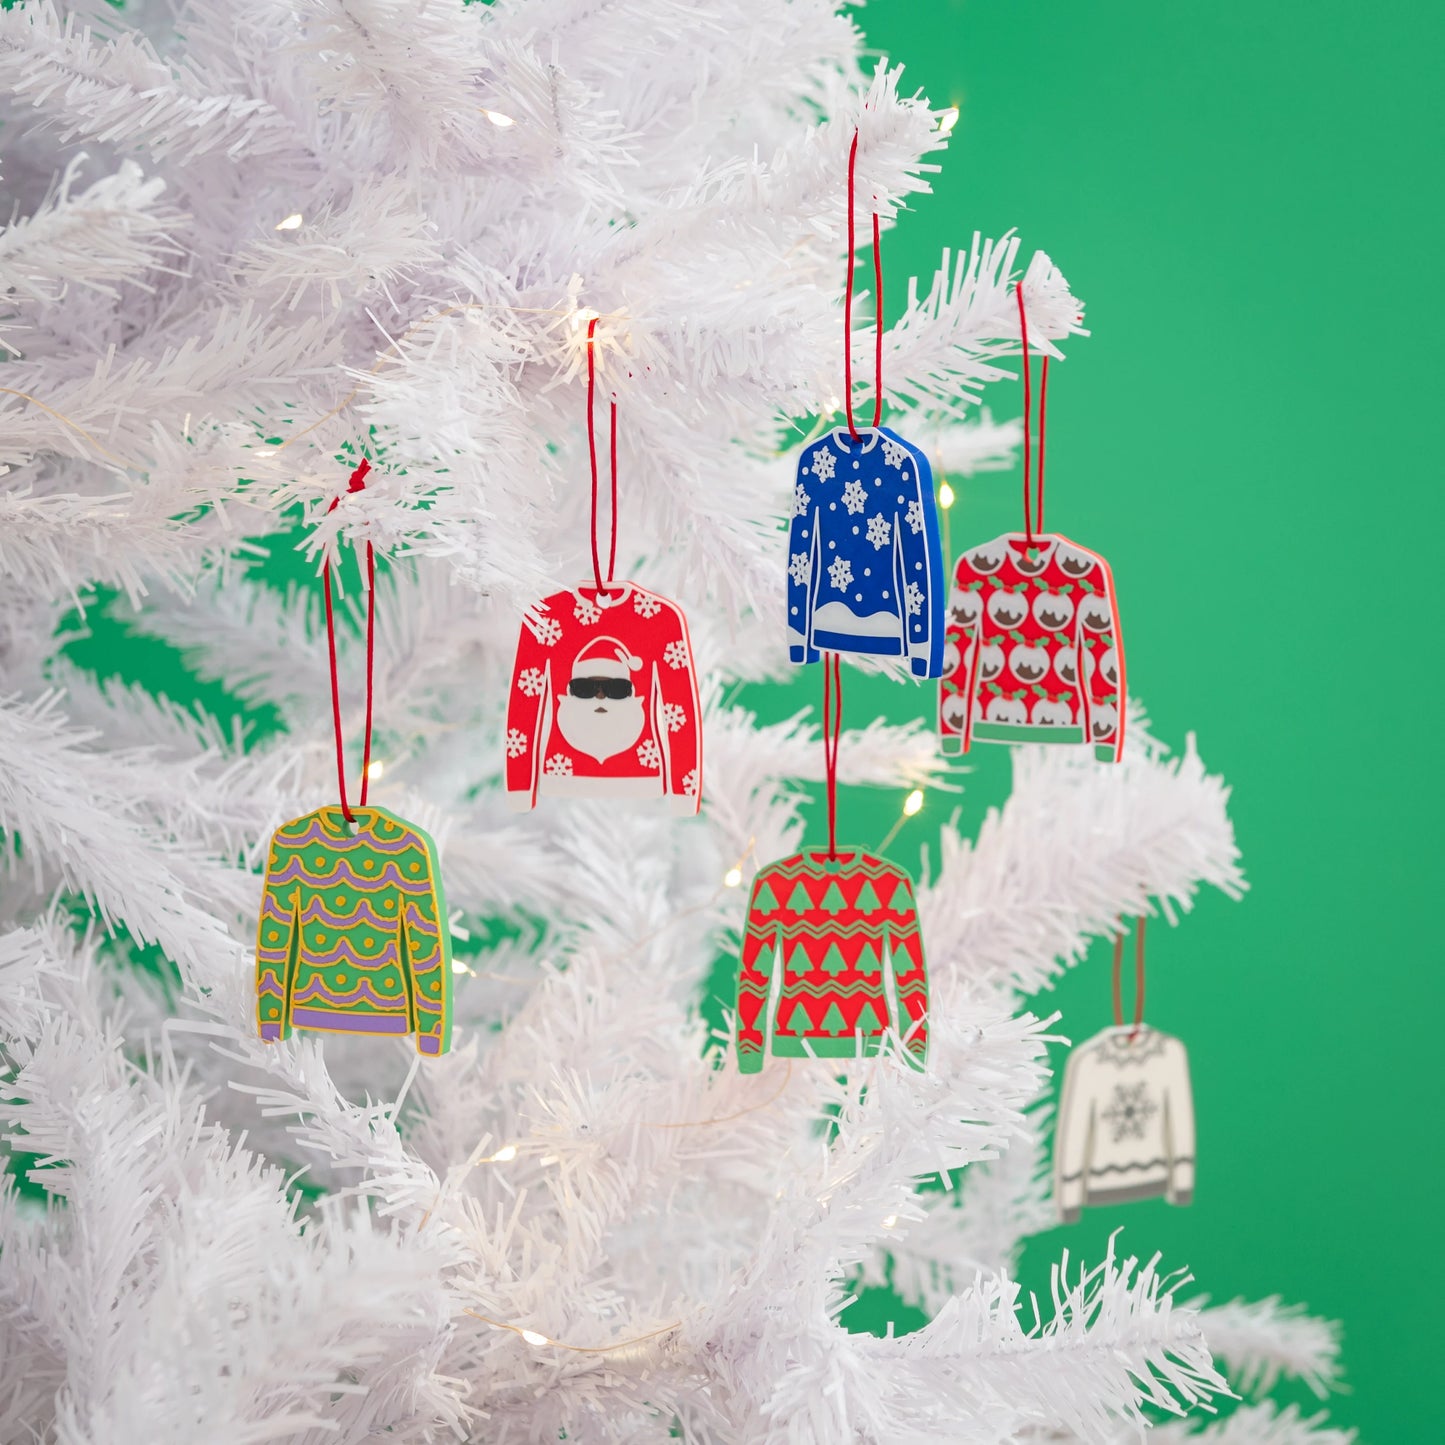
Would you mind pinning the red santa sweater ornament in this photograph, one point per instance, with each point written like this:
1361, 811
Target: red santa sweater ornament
604, 700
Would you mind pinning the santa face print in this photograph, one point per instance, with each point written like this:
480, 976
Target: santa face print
600, 716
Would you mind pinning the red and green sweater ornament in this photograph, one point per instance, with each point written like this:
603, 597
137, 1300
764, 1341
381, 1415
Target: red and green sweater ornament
832, 961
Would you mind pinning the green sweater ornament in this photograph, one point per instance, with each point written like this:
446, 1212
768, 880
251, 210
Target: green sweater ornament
353, 934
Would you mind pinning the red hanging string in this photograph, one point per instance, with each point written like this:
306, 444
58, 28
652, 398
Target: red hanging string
848, 307
356, 483
592, 458
1138, 978
1028, 418
1028, 410
832, 732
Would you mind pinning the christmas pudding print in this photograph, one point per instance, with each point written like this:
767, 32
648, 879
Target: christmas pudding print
1022, 614
604, 700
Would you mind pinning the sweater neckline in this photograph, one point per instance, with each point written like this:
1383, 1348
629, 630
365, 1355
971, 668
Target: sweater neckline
842, 439
610, 594
334, 825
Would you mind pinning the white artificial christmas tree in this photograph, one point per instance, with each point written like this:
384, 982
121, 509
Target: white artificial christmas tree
251, 239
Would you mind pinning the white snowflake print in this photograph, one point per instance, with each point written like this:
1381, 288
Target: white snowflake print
800, 567
586, 611
840, 573
673, 716
547, 630
801, 500
880, 531
531, 682
689, 782
644, 604
559, 765
675, 653
915, 516
824, 464
913, 596
516, 742
853, 497
649, 755
894, 453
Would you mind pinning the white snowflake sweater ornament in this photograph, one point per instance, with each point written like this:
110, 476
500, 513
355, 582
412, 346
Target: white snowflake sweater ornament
1126, 1121
865, 559
604, 700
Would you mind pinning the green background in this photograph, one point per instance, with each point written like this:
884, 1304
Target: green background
1245, 194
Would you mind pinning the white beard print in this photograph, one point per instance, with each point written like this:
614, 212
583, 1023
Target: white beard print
601, 727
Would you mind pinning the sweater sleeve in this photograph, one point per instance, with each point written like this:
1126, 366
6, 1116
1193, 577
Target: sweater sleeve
528, 709
910, 975
1073, 1135
755, 974
1179, 1126
426, 946
679, 714
802, 565
1101, 653
276, 935
924, 587
963, 637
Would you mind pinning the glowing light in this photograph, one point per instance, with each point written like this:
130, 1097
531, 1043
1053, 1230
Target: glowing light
833, 403
581, 316
291, 223
890, 1221
375, 768
732, 877
505, 1153
913, 803
498, 119
459, 967
948, 119
945, 495
533, 1338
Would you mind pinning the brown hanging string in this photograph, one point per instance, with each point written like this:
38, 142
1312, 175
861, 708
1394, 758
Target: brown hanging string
1138, 978
1028, 419
592, 457
832, 732
357, 483
848, 308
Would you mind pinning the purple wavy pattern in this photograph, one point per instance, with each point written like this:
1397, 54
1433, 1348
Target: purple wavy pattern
417, 922
270, 983
344, 953
363, 991
363, 840
293, 871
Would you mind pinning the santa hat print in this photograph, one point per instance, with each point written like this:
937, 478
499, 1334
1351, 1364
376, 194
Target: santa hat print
605, 657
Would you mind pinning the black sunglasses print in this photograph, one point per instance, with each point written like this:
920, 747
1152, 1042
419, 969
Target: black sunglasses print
615, 688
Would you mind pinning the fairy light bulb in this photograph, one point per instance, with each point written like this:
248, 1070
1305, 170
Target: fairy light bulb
948, 120
732, 877
890, 1221
291, 223
375, 768
913, 803
498, 119
945, 495
533, 1338
505, 1153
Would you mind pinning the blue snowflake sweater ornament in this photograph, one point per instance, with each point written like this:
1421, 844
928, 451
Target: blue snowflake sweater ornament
865, 561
